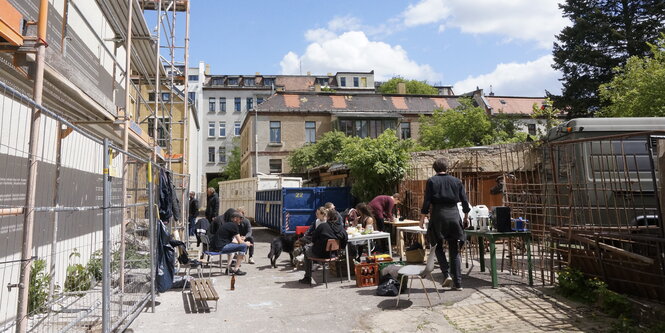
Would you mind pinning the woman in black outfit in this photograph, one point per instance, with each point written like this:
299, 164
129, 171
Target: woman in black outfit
442, 193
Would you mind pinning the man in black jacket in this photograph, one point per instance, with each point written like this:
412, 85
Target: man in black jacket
212, 209
193, 212
331, 229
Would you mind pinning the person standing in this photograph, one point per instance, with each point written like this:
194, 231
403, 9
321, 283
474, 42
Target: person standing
442, 193
212, 207
193, 212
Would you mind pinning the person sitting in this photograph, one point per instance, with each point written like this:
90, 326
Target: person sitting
331, 229
331, 206
364, 221
245, 229
320, 218
227, 240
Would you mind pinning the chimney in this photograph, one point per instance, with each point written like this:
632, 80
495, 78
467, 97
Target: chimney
401, 88
257, 73
207, 71
309, 73
317, 87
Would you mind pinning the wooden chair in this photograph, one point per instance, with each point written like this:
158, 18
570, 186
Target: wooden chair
332, 249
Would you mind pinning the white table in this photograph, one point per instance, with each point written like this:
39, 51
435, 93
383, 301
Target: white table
400, 237
368, 238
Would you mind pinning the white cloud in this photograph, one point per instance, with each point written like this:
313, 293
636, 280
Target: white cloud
353, 51
527, 20
527, 79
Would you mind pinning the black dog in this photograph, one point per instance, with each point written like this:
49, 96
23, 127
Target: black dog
284, 243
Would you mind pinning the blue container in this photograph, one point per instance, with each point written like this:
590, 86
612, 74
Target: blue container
285, 209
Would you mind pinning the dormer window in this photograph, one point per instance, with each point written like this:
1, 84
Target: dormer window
249, 82
268, 82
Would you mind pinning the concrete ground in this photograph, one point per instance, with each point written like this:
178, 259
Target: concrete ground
271, 300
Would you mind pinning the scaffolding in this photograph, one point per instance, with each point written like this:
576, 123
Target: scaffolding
107, 123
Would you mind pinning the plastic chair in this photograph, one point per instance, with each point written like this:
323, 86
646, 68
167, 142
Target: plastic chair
206, 245
332, 247
419, 271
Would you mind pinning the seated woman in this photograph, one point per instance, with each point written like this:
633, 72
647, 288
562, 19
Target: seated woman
364, 220
320, 218
331, 229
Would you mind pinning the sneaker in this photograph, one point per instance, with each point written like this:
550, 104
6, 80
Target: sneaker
238, 272
447, 282
456, 288
251, 261
306, 280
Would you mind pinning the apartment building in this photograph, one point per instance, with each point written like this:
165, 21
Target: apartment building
228, 99
288, 120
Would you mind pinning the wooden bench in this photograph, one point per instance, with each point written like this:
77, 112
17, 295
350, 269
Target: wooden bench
203, 291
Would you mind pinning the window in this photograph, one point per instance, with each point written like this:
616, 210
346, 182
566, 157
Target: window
236, 128
151, 97
250, 103
222, 129
211, 104
365, 127
362, 129
405, 130
275, 166
342, 82
275, 132
310, 131
193, 78
222, 104
211, 154
237, 104
162, 130
259, 100
166, 97
222, 154
532, 129
363, 82
211, 129
268, 82
218, 81
233, 81
249, 82
192, 97
322, 81
356, 82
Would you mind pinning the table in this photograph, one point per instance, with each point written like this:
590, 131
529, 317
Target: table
400, 237
492, 236
368, 238
396, 224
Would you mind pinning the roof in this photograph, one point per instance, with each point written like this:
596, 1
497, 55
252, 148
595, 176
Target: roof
295, 82
327, 102
513, 105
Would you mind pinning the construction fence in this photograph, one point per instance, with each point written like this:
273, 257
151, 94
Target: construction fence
92, 249
592, 204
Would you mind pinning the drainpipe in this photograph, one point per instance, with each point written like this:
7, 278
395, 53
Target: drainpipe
29, 220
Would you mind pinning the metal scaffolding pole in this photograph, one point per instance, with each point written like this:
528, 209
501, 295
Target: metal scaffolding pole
28, 223
106, 241
151, 234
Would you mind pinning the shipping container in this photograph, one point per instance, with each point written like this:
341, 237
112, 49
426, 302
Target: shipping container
285, 209
242, 192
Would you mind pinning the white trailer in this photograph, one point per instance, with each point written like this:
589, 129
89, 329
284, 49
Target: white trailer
242, 192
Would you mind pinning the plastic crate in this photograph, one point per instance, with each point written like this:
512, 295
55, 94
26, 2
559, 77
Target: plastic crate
367, 275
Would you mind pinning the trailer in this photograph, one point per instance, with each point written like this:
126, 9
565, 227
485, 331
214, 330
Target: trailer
242, 192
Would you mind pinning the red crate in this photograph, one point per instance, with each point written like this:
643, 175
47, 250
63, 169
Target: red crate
367, 275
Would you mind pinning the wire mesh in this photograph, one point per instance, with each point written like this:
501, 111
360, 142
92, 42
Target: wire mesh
66, 281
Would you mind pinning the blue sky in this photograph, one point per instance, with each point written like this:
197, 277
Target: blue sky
464, 43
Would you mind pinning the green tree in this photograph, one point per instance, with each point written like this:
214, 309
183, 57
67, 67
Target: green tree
376, 165
232, 169
324, 151
602, 36
638, 88
548, 112
463, 126
413, 87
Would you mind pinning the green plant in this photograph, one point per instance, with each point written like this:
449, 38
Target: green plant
40, 283
94, 266
78, 278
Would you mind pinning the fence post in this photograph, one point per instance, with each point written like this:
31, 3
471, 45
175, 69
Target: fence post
106, 242
151, 234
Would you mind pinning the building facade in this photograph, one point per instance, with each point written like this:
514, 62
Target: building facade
288, 120
227, 100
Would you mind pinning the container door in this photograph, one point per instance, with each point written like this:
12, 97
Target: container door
298, 208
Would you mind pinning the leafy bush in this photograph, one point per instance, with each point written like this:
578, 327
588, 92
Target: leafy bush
40, 283
78, 278
94, 266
